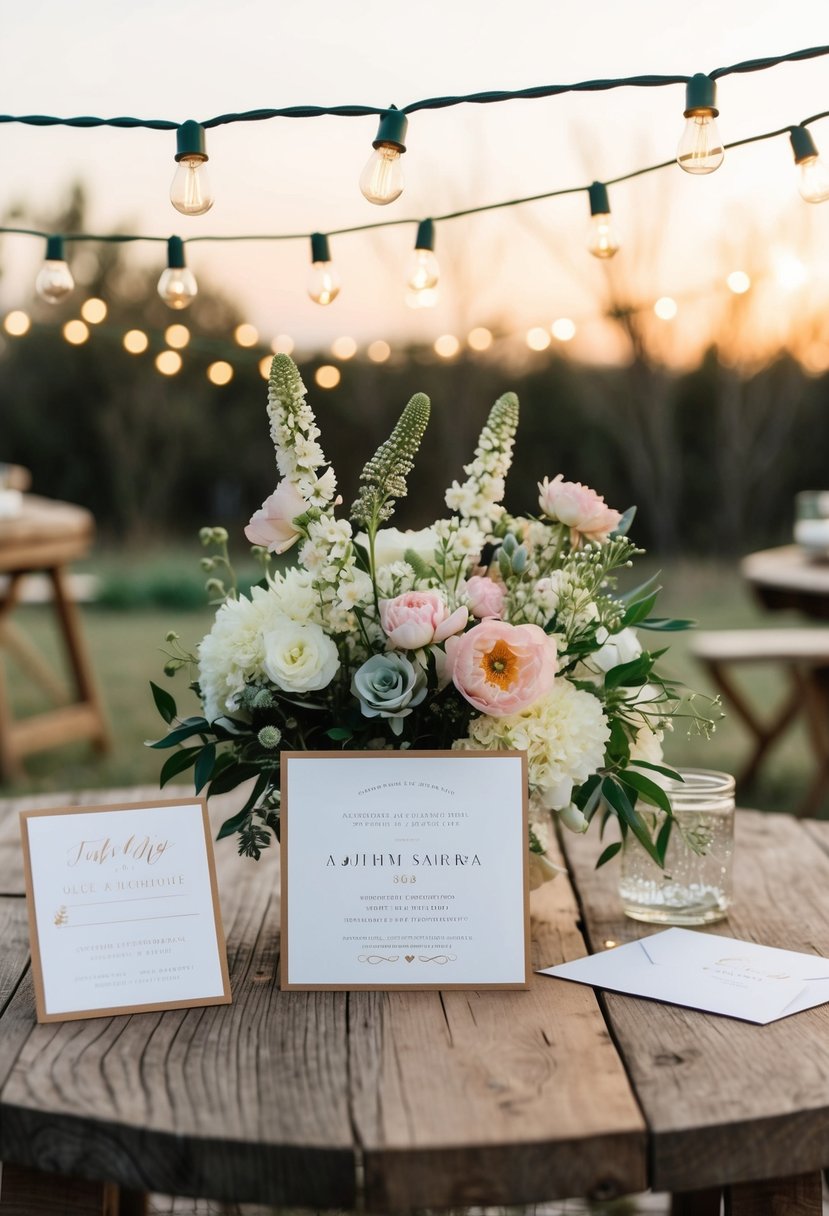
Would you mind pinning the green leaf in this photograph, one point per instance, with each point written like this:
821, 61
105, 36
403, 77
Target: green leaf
232, 825
623, 526
177, 763
231, 776
204, 767
609, 853
638, 610
658, 768
624, 808
637, 593
164, 703
633, 673
663, 838
619, 744
665, 624
188, 728
421, 568
647, 789
338, 733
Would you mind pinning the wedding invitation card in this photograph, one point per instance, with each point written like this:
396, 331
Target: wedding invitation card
404, 869
123, 909
709, 972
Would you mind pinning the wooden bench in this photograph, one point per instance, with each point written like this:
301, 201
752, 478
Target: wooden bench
45, 537
804, 655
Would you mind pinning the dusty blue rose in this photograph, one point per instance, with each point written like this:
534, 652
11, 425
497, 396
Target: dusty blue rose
388, 686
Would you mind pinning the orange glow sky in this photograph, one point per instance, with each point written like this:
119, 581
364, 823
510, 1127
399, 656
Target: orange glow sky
511, 270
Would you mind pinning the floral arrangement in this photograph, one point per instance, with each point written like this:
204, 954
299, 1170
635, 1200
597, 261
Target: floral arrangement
482, 631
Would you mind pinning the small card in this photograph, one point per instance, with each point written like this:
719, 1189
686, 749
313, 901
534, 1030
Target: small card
705, 971
404, 870
123, 909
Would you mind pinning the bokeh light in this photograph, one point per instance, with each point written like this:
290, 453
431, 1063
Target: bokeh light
327, 376
94, 310
177, 336
379, 351
76, 332
136, 341
17, 323
168, 362
344, 348
247, 335
563, 330
479, 338
537, 338
666, 308
220, 373
447, 346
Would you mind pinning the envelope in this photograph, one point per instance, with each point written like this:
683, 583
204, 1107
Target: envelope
705, 971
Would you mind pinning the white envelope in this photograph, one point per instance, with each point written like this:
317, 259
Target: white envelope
705, 971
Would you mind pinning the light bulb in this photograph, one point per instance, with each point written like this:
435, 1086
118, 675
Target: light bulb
177, 286
323, 280
190, 192
601, 238
381, 181
424, 271
54, 281
814, 174
700, 147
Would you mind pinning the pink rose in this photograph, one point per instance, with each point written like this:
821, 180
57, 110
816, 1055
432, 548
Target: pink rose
583, 510
418, 618
486, 597
500, 668
272, 526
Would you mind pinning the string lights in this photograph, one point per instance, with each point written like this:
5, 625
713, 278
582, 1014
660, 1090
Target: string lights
701, 151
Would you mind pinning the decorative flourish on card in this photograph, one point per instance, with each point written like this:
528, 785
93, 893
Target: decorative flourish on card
61, 916
374, 959
441, 959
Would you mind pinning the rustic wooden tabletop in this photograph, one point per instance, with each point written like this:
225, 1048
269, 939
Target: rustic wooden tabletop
401, 1100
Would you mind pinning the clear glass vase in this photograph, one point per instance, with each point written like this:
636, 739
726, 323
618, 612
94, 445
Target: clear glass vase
695, 886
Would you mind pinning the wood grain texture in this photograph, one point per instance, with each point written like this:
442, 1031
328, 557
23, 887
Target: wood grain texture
798, 1196
494, 1098
449, 1098
726, 1101
25, 1192
246, 1102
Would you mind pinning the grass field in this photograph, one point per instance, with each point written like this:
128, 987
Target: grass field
127, 644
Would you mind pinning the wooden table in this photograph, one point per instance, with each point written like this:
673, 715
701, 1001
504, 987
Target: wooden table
787, 578
400, 1100
46, 536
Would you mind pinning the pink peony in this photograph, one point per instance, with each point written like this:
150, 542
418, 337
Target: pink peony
418, 618
486, 597
584, 511
502, 669
272, 526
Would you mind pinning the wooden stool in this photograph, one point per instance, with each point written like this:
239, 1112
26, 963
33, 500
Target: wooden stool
804, 653
46, 536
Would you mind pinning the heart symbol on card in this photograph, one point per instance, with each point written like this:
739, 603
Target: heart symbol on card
409, 958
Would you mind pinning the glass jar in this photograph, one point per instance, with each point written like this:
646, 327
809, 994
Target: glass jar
811, 526
694, 887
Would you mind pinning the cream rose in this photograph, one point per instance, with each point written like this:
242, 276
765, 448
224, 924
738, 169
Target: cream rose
299, 658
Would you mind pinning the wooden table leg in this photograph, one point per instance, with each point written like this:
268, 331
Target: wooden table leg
697, 1203
78, 656
26, 1192
797, 1196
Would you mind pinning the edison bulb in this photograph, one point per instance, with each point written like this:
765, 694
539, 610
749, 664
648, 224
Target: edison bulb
323, 283
381, 181
54, 281
601, 239
700, 148
190, 192
178, 287
424, 271
814, 180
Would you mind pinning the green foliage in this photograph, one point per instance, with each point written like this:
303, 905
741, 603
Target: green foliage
383, 480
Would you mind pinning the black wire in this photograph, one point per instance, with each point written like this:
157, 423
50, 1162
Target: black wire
430, 103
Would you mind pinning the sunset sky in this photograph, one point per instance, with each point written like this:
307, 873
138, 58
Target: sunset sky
511, 270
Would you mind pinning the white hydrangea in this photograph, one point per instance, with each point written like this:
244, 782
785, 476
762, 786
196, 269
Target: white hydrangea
233, 651
564, 736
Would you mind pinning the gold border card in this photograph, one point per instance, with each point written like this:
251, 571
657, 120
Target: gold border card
404, 869
123, 909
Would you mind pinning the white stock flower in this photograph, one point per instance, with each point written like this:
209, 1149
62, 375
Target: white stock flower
390, 545
299, 658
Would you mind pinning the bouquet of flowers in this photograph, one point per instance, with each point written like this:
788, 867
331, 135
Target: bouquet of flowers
483, 631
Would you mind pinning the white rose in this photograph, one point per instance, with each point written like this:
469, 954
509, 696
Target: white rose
299, 658
390, 544
618, 648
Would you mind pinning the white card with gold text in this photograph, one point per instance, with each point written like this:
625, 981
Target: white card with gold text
404, 870
123, 909
709, 972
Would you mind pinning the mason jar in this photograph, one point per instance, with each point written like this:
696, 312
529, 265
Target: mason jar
694, 887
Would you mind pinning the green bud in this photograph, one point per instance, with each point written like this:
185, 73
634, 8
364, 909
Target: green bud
171, 668
270, 736
206, 536
220, 535
214, 586
172, 636
207, 563
262, 699
519, 559
504, 564
509, 544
